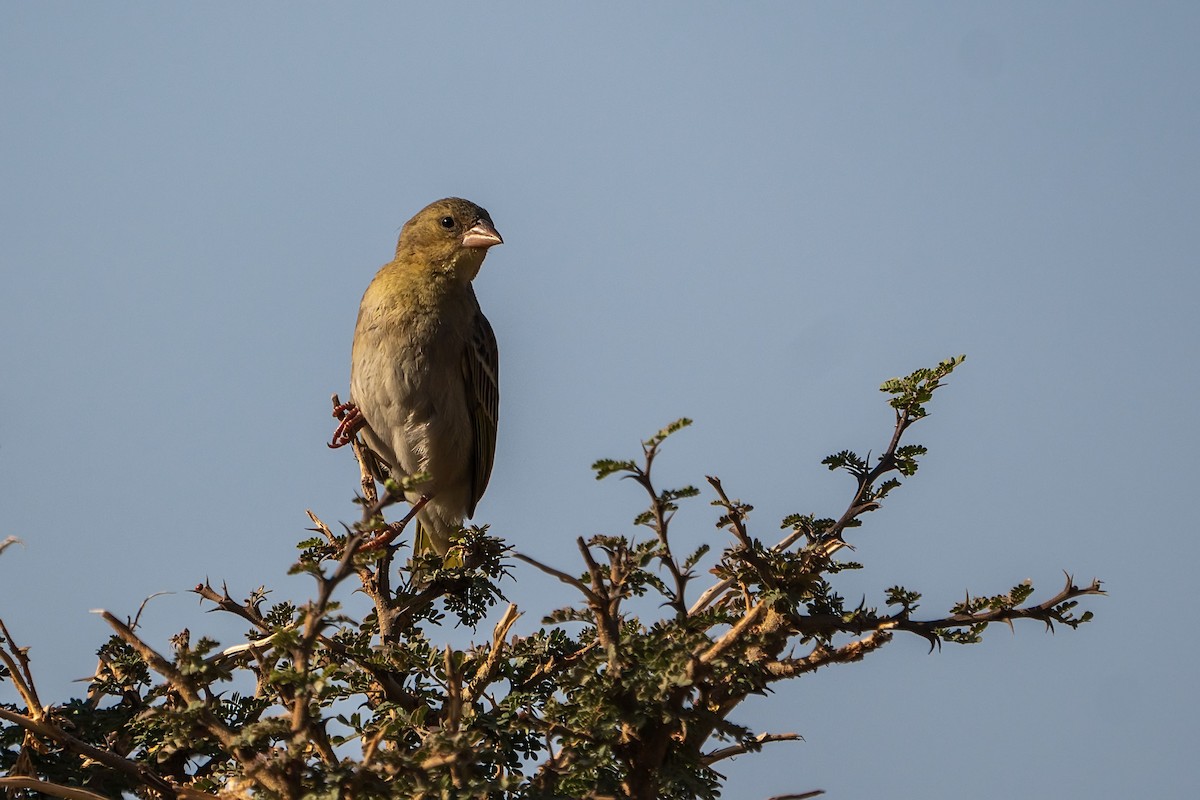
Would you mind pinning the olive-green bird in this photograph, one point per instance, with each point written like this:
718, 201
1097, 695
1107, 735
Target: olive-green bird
424, 366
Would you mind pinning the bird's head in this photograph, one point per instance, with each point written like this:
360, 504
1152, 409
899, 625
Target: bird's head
451, 235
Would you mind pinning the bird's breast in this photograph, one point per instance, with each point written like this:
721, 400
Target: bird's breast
406, 379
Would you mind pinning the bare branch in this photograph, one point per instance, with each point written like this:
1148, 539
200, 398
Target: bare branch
257, 768
248, 647
18, 670
570, 580
731, 636
137, 618
223, 601
737, 522
364, 459
1043, 612
453, 705
605, 606
882, 628
52, 789
487, 669
832, 540
740, 749
822, 656
321, 528
49, 730
156, 662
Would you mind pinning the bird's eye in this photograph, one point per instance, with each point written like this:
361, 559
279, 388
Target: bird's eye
447, 223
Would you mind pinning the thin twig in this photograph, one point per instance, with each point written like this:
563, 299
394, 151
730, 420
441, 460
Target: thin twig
156, 662
1042, 612
223, 601
832, 540
605, 607
570, 580
740, 749
137, 618
255, 767
18, 670
662, 521
822, 656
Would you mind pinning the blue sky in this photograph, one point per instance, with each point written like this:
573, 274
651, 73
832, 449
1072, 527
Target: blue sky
750, 215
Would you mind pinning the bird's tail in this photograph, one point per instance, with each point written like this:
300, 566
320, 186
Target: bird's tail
426, 542
423, 541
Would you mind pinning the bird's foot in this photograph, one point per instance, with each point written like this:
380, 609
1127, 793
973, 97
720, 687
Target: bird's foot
383, 537
386, 535
350, 420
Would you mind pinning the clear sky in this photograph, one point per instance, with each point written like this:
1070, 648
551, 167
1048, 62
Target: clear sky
750, 215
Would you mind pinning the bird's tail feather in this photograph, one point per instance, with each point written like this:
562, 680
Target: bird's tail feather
424, 544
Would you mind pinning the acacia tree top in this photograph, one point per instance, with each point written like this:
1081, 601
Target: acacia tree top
600, 702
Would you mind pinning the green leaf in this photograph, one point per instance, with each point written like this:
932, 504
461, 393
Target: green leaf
607, 466
915, 389
906, 458
847, 460
660, 437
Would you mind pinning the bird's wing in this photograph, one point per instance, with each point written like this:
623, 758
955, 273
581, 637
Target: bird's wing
481, 365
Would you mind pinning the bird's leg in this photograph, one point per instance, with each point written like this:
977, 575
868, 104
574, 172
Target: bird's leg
390, 496
350, 421
388, 533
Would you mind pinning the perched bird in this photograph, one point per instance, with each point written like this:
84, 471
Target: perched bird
423, 367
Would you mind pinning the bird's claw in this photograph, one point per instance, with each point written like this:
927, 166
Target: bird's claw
383, 537
350, 421
387, 534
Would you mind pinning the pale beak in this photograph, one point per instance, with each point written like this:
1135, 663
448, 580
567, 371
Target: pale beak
481, 234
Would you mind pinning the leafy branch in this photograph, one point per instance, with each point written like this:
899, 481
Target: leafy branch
600, 702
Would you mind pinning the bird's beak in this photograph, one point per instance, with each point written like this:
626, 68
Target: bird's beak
482, 235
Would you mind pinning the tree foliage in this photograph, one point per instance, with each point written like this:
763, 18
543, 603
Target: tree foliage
612, 697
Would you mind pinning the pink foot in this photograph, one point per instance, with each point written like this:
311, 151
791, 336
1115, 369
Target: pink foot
350, 421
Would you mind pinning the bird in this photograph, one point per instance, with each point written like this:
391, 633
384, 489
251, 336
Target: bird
424, 368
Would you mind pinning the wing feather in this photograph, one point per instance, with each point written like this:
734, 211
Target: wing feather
481, 368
